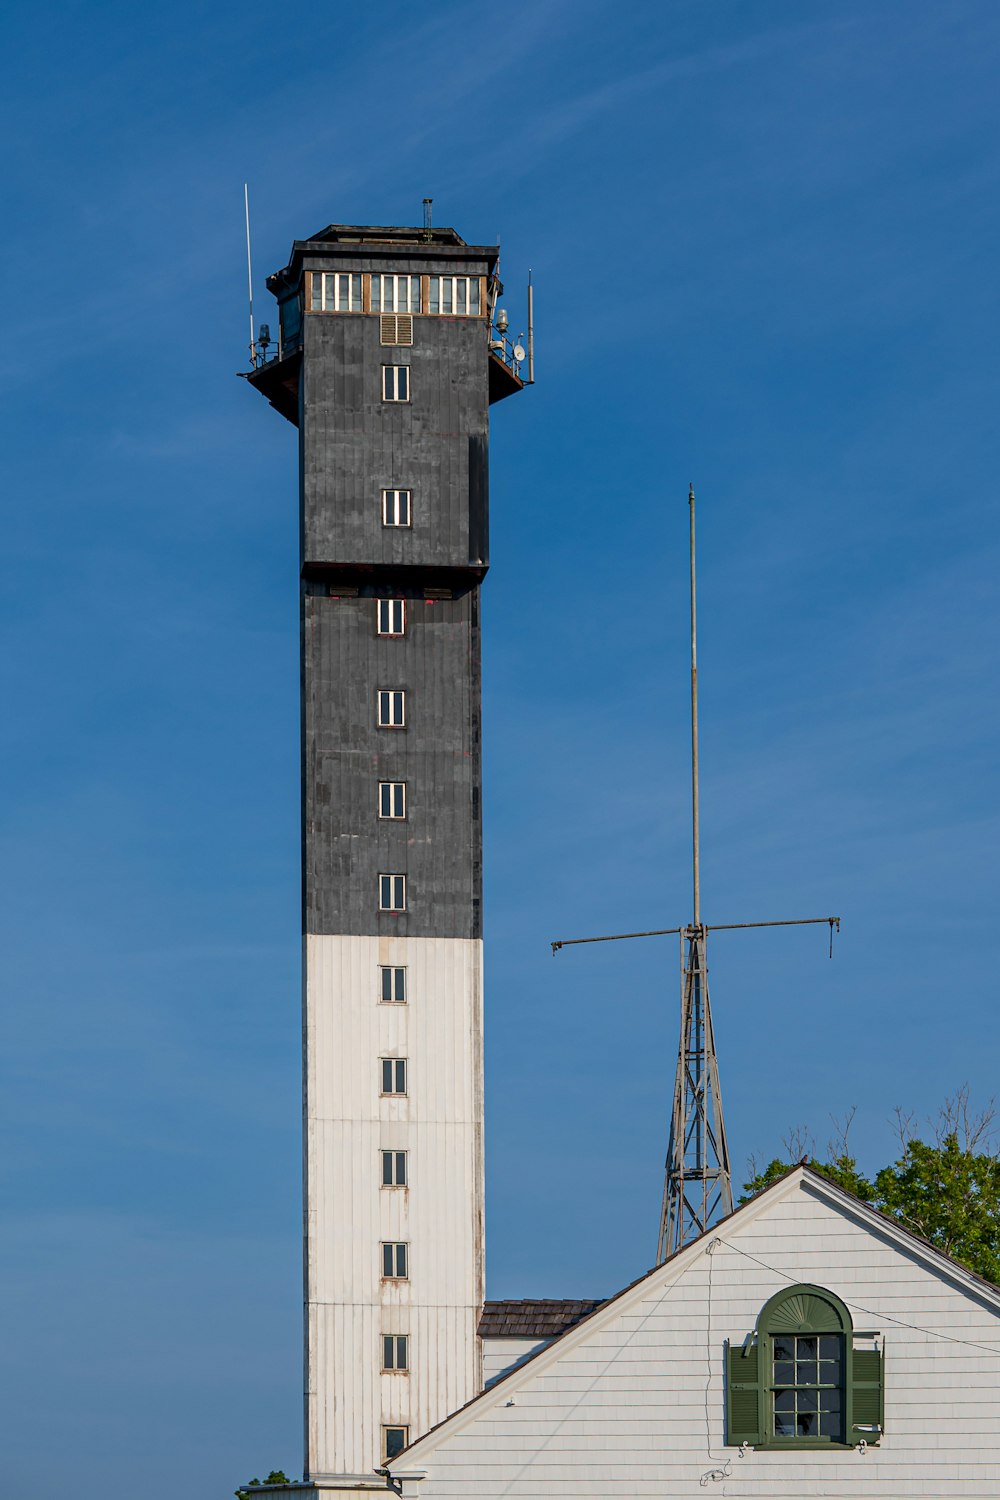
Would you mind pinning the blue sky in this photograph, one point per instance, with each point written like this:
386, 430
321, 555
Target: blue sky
764, 239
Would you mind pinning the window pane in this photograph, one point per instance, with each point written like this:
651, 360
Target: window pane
434, 302
398, 803
386, 1076
784, 1372
376, 303
403, 382
404, 507
447, 286
386, 976
415, 294
400, 1168
784, 1348
401, 1261
474, 295
806, 1372
784, 1413
462, 288
386, 1260
829, 1347
395, 1441
316, 301
806, 1349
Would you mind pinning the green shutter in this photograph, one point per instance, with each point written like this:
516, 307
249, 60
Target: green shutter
742, 1395
867, 1404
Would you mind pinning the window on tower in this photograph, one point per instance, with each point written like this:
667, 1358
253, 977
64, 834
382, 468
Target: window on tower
395, 382
392, 893
396, 507
395, 1351
393, 1075
392, 985
394, 1440
391, 616
454, 294
391, 708
336, 291
395, 1261
393, 1169
396, 294
392, 799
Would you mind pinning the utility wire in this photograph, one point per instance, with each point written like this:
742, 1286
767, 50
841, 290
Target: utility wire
915, 1327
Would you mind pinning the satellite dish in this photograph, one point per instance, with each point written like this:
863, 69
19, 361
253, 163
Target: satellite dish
518, 353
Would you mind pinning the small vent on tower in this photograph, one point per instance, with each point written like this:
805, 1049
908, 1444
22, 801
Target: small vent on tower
397, 328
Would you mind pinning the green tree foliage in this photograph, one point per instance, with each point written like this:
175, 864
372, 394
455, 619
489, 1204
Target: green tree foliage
276, 1476
946, 1188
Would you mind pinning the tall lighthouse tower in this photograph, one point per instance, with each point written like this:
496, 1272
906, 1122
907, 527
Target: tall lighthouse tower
387, 362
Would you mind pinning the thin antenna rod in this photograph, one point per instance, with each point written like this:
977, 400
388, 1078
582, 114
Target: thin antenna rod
531, 332
619, 937
695, 830
253, 340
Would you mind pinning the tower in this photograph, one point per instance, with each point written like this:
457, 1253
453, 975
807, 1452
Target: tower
697, 1186
387, 363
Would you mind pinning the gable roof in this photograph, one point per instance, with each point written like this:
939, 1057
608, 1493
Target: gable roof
534, 1317
798, 1179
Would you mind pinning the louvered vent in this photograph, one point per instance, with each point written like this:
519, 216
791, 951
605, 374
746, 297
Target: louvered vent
397, 328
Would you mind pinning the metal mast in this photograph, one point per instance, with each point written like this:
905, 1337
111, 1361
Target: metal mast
697, 1188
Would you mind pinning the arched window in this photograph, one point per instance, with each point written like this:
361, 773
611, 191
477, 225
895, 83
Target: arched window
802, 1383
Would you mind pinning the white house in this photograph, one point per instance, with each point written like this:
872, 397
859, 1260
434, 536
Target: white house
806, 1346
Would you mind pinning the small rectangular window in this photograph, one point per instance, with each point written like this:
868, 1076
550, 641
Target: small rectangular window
391, 616
394, 1440
392, 799
392, 985
393, 1168
395, 382
391, 709
395, 1351
396, 507
396, 294
336, 291
394, 1261
392, 893
393, 1075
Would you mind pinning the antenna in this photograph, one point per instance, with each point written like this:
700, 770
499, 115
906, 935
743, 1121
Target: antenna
697, 1188
427, 216
531, 332
253, 341
695, 831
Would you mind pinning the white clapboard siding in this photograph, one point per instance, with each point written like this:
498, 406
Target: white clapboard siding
501, 1355
631, 1403
349, 1214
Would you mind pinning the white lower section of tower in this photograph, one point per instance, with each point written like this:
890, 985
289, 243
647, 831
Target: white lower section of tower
349, 1215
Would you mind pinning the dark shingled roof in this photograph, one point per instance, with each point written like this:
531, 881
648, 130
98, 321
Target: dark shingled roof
534, 1318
